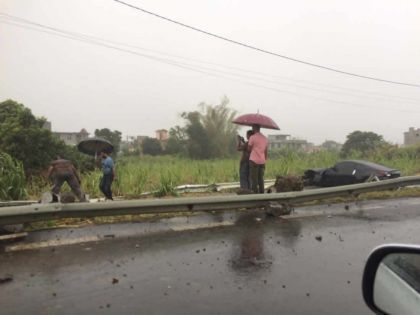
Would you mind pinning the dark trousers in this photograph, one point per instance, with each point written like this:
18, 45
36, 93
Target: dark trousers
71, 180
244, 175
105, 185
257, 177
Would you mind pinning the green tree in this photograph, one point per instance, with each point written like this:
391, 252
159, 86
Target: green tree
177, 141
112, 136
173, 146
208, 133
152, 146
363, 142
221, 132
82, 162
22, 136
197, 143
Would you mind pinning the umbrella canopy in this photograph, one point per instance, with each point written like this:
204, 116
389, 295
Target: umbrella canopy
93, 146
256, 119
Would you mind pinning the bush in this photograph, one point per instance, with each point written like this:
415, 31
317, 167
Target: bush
12, 178
167, 185
23, 137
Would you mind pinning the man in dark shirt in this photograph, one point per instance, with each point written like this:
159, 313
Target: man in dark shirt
61, 171
242, 145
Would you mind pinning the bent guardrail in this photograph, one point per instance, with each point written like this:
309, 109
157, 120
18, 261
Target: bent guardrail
210, 187
39, 212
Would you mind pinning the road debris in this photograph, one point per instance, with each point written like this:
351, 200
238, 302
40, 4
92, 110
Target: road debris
13, 236
6, 279
287, 183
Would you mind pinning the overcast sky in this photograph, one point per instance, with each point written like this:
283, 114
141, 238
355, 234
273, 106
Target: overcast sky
78, 85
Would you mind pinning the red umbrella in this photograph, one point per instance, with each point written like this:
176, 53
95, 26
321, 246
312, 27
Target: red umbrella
256, 119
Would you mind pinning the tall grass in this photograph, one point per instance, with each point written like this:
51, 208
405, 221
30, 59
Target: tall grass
12, 178
167, 184
136, 175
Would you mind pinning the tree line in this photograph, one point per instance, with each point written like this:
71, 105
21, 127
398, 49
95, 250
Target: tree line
26, 148
206, 133
24, 138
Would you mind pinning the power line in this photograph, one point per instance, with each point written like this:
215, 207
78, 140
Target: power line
202, 70
264, 50
89, 41
351, 91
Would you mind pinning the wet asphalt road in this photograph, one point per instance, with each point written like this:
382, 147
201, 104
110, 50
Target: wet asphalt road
249, 265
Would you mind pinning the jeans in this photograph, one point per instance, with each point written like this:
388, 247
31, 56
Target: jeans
244, 175
105, 185
257, 177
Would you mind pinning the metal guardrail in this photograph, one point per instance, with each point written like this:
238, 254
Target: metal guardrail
16, 203
210, 187
39, 212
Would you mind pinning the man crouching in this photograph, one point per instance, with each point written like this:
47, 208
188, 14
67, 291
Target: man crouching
61, 171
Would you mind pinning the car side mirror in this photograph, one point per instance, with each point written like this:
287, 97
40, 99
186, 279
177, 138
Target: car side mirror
391, 280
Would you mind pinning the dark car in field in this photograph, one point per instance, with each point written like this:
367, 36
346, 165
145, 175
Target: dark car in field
348, 172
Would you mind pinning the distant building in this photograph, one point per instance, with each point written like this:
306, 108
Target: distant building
133, 144
331, 145
285, 141
162, 134
277, 141
412, 136
72, 138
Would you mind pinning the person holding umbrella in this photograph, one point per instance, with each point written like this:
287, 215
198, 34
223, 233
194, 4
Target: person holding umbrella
258, 148
93, 146
242, 145
108, 175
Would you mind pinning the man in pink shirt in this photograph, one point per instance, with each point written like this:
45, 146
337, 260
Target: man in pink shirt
258, 147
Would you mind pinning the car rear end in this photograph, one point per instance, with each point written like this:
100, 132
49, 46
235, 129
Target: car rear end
388, 174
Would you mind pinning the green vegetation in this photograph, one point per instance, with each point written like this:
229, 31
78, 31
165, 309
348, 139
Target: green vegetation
207, 134
167, 184
23, 137
152, 146
112, 136
12, 178
202, 151
363, 142
161, 174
